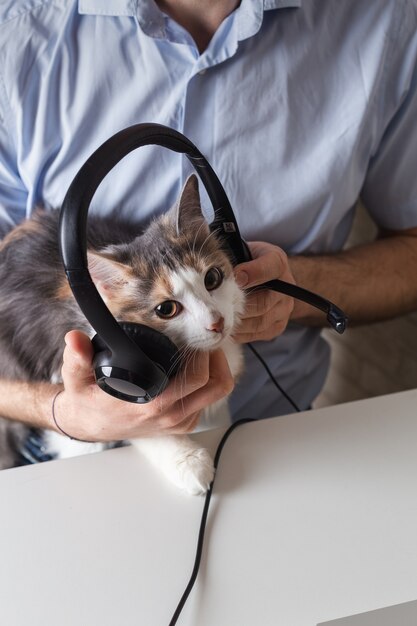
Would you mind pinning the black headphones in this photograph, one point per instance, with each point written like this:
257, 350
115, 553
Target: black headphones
134, 362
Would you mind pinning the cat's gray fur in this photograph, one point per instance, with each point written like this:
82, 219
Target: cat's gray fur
37, 309
33, 321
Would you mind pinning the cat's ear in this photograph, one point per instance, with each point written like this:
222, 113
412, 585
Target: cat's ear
109, 276
187, 211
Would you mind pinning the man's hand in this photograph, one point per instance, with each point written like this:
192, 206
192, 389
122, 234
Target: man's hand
267, 312
86, 412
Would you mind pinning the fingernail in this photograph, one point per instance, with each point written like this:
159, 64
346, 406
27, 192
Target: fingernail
241, 278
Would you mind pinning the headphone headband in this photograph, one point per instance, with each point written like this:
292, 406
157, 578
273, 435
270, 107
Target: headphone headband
73, 223
128, 361
73, 219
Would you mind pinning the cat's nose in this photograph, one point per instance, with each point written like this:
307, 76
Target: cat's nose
218, 326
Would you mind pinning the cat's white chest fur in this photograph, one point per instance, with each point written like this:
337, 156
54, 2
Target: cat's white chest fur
217, 415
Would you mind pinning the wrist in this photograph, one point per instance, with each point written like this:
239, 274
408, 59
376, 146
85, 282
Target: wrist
300, 309
307, 275
43, 397
56, 423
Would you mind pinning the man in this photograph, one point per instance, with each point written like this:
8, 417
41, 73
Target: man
301, 107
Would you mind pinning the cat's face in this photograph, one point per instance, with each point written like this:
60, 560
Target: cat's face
196, 305
174, 278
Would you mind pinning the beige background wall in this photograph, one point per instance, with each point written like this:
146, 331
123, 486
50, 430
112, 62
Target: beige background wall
375, 359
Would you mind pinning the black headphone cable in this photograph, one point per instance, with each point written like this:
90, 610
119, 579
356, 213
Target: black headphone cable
273, 379
201, 532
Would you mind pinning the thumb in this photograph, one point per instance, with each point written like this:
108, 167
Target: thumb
255, 272
77, 370
268, 263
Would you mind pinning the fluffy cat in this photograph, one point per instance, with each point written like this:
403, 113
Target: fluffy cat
173, 276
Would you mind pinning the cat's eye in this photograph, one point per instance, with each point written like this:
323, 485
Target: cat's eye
213, 278
168, 309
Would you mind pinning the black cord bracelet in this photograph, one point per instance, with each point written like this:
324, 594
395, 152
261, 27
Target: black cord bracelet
58, 426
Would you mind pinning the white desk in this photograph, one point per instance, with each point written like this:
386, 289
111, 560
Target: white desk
314, 518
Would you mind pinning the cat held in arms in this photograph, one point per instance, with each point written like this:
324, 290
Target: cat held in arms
173, 276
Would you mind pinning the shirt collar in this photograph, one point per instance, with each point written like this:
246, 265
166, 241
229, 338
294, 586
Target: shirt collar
107, 7
249, 14
130, 7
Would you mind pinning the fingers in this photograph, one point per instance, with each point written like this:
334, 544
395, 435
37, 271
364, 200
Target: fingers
273, 330
191, 377
217, 382
266, 312
261, 303
266, 316
221, 381
187, 425
204, 380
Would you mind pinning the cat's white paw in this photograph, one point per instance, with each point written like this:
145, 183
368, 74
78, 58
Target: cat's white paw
182, 460
193, 471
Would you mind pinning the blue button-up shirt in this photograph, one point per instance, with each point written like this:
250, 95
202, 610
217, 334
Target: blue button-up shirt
300, 106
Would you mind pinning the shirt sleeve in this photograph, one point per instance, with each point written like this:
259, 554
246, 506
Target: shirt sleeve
390, 189
13, 194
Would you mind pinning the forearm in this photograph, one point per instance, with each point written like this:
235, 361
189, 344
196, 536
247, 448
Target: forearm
29, 403
369, 283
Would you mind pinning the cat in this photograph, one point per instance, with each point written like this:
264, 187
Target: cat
173, 276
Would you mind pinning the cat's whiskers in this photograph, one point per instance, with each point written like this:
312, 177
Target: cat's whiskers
189, 355
178, 358
211, 259
202, 225
212, 233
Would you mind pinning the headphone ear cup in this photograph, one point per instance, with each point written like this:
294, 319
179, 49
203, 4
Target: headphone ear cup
157, 346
